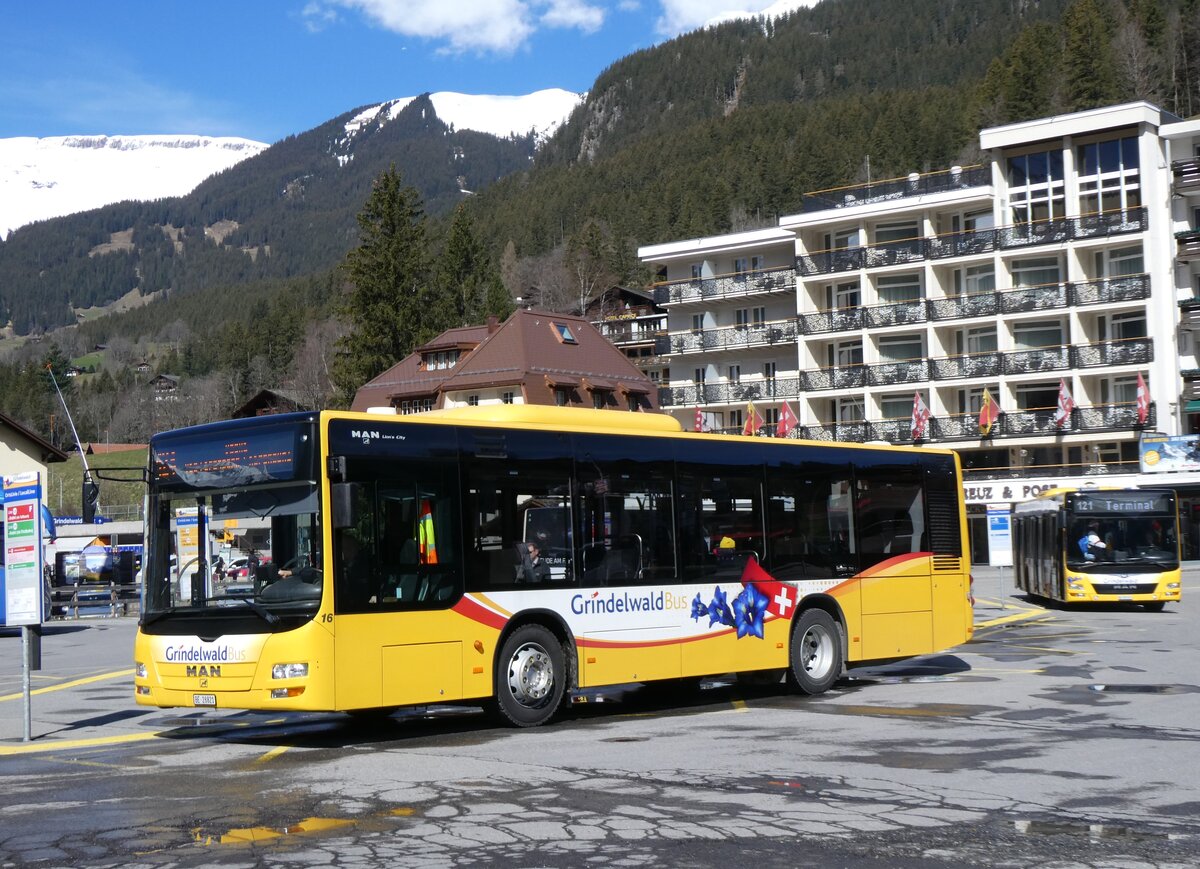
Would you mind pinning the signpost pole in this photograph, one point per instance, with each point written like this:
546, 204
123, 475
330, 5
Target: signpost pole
23, 580
26, 660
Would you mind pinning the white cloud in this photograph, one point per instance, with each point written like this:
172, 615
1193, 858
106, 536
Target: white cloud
574, 13
489, 26
317, 17
680, 16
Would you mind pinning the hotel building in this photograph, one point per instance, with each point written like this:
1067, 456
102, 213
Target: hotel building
1067, 262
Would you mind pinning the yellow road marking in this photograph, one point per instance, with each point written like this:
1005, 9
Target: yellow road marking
1016, 617
33, 748
272, 754
116, 674
739, 706
1039, 649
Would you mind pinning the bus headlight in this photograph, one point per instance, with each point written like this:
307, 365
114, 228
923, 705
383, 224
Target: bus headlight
289, 671
1172, 585
139, 670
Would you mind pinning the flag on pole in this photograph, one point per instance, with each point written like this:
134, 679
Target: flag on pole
787, 421
699, 419
1066, 404
1143, 400
753, 420
920, 416
989, 412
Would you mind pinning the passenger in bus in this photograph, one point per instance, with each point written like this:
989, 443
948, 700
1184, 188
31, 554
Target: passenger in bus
533, 569
1090, 544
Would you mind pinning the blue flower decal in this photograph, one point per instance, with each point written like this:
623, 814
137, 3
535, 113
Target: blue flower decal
718, 610
749, 607
699, 609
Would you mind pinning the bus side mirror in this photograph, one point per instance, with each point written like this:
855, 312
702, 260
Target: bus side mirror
343, 504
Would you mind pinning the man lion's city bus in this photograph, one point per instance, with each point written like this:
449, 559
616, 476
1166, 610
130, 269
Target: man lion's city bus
1092, 545
389, 566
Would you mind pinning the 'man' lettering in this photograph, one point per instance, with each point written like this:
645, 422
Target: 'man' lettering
203, 671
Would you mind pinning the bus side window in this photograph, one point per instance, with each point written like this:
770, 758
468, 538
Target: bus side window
890, 508
810, 523
626, 525
720, 517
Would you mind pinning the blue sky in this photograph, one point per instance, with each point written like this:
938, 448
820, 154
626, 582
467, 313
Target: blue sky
264, 69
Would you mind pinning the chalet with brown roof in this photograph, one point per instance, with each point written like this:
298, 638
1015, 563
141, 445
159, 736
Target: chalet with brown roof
534, 357
269, 401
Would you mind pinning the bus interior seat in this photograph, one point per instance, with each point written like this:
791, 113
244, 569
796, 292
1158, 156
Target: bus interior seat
623, 563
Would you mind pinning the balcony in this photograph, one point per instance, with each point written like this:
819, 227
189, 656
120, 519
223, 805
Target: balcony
1051, 471
907, 371
1188, 245
1185, 175
843, 432
989, 364
1108, 291
835, 320
780, 389
635, 331
734, 337
1042, 297
961, 307
741, 285
958, 178
896, 314
1040, 421
1018, 235
1129, 351
1037, 360
846, 377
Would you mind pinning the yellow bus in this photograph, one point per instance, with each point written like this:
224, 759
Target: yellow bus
1090, 545
393, 567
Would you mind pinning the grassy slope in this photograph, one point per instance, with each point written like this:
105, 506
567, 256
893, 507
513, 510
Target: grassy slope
70, 475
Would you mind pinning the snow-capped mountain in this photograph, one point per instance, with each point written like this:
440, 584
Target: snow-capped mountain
44, 178
51, 177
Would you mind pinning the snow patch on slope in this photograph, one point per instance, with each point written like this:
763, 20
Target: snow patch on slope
55, 176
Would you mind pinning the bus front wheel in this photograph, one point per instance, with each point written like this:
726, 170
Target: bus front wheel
816, 652
530, 677
1155, 606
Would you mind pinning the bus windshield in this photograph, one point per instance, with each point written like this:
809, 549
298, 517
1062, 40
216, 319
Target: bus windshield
1111, 541
233, 522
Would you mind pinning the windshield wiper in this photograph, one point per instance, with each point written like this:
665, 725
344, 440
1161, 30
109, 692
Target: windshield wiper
260, 610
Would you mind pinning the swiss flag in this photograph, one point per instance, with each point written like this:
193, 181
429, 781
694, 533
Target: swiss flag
787, 421
1143, 400
1066, 404
781, 597
920, 417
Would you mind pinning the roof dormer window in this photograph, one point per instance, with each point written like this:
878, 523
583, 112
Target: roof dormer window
563, 333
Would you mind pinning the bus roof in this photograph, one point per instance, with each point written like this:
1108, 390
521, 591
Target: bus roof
580, 419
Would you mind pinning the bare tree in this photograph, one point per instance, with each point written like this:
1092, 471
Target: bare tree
311, 378
1139, 67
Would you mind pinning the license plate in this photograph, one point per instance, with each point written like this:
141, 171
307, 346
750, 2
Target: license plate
204, 699
1125, 597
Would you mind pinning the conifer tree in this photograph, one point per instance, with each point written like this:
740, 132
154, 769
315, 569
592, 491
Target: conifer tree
1090, 72
467, 278
388, 273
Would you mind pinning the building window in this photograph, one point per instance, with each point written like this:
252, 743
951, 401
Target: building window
562, 395
843, 296
905, 231
981, 339
757, 263
599, 399
741, 318
896, 406
842, 240
1036, 272
633, 402
971, 400
735, 374
1121, 327
758, 316
472, 401
1037, 396
736, 419
845, 354
697, 323
1119, 390
1035, 186
1108, 176
741, 266
698, 375
901, 348
897, 289
849, 410
507, 398
697, 271
771, 418
440, 359
769, 369
1038, 333
1120, 263
563, 333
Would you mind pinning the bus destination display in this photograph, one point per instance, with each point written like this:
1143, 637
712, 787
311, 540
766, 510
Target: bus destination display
1124, 503
239, 459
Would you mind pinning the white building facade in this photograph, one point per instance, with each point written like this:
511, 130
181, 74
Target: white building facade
1067, 263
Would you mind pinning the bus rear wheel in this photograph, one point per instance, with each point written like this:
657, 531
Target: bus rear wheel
530, 677
816, 652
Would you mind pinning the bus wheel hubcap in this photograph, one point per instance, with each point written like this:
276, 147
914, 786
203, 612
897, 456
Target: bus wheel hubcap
816, 651
530, 675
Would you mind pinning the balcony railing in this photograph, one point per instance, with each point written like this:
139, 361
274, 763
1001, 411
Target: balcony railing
1051, 471
779, 388
1106, 291
1041, 359
836, 320
734, 337
968, 365
1041, 297
726, 286
1188, 244
1128, 351
907, 371
843, 432
957, 178
846, 377
1186, 175
896, 313
961, 307
633, 333
979, 241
